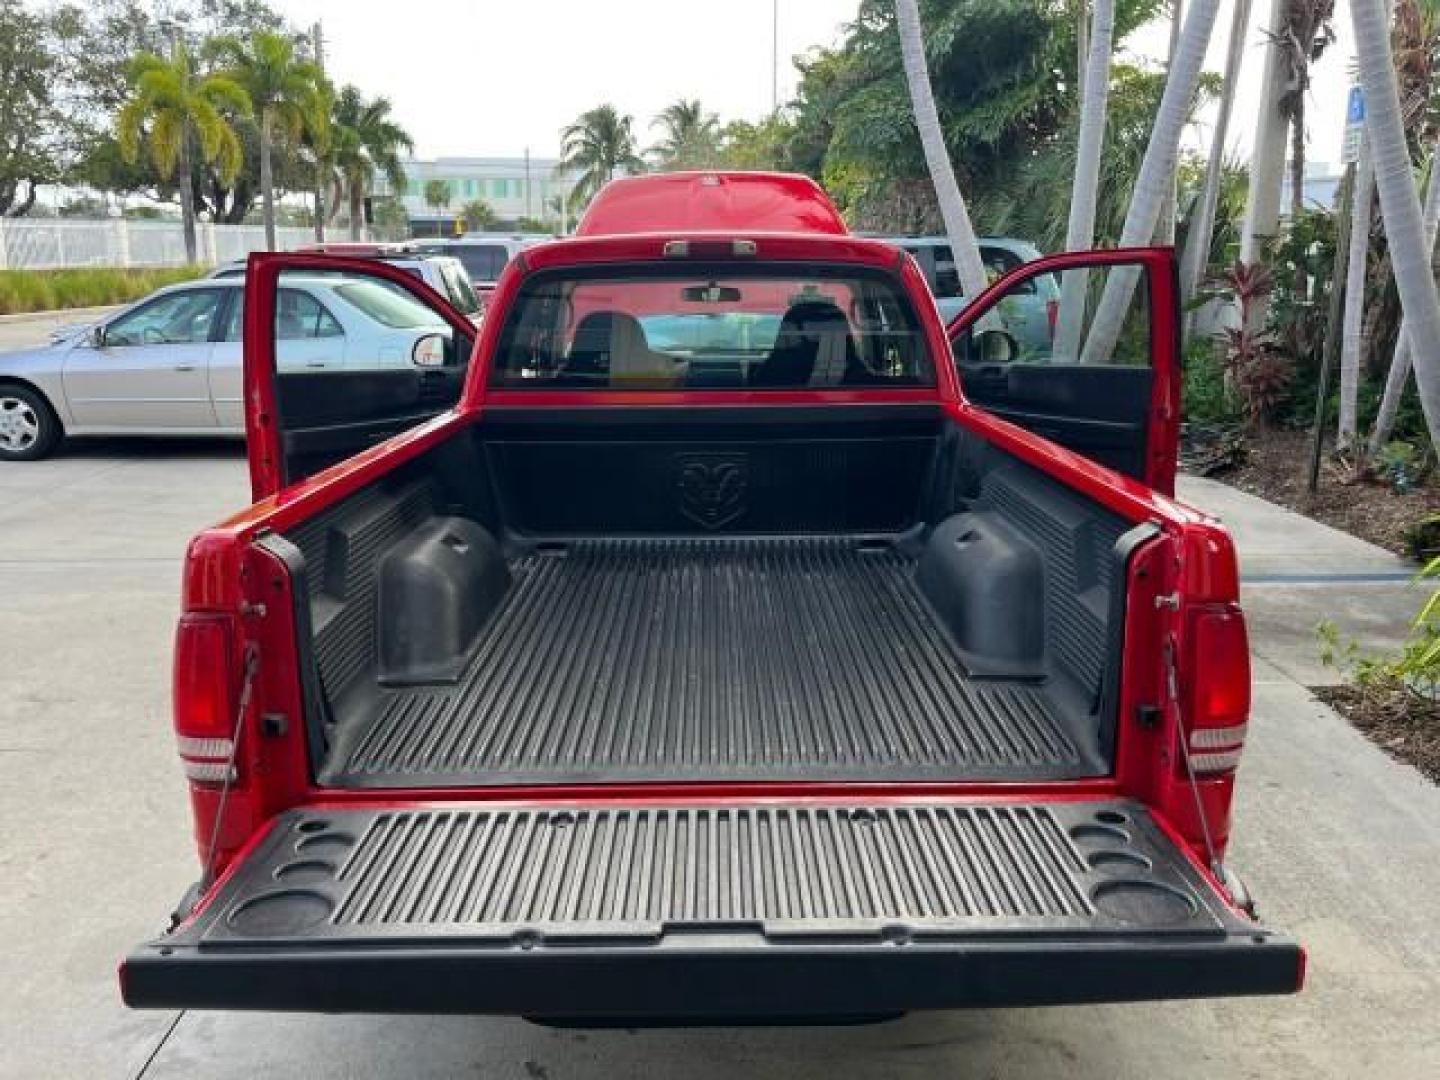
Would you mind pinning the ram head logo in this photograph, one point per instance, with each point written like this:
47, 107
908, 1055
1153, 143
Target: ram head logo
712, 487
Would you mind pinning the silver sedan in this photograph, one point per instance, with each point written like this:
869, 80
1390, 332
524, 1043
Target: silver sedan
171, 364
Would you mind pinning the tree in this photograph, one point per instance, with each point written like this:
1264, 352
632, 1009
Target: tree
1399, 202
287, 93
30, 117
759, 145
186, 113
1267, 158
1157, 175
1080, 233
1308, 32
963, 246
1202, 223
437, 195
595, 147
366, 141
479, 215
690, 137
1352, 337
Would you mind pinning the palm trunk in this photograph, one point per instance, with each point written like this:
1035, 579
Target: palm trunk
1400, 364
1165, 234
1080, 231
187, 199
1202, 223
320, 202
963, 246
1267, 160
1082, 47
267, 180
1157, 175
1399, 203
357, 210
1352, 334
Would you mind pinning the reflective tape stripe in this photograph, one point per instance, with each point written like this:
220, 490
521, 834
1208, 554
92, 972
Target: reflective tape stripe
210, 772
1217, 762
1215, 738
204, 748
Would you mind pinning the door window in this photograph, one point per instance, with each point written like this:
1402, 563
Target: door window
1097, 316
178, 318
299, 315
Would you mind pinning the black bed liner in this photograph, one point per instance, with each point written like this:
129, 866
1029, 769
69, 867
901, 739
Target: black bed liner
728, 657
710, 910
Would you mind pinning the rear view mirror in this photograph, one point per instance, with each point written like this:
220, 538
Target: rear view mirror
713, 293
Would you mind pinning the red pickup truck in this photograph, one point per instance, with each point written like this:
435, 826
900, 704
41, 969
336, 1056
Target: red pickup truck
719, 637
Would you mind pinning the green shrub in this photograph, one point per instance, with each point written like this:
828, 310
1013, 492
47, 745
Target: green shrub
1204, 397
53, 290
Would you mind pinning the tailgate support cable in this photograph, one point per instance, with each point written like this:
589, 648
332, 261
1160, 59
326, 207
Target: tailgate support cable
247, 687
1173, 688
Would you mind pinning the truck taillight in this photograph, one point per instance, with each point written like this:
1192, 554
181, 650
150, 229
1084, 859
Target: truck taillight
204, 696
1219, 700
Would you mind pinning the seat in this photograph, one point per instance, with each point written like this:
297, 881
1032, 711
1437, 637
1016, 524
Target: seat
610, 347
813, 348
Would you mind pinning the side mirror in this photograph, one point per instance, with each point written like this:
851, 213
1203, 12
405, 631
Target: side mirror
991, 347
95, 336
430, 351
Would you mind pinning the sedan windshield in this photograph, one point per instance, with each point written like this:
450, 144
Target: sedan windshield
392, 307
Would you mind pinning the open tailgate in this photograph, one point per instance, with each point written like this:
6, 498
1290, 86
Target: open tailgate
710, 911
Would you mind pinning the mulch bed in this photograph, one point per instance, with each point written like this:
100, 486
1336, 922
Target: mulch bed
1275, 466
1402, 723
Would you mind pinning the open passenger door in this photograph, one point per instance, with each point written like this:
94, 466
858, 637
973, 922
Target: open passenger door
1082, 348
341, 353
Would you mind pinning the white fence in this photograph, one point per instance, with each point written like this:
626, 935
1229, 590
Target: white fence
49, 243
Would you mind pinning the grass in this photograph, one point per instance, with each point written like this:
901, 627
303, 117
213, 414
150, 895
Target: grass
55, 290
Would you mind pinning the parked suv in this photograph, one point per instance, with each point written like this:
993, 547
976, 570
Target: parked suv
1029, 314
442, 273
484, 255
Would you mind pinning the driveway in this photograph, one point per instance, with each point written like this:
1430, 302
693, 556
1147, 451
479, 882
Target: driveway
1339, 843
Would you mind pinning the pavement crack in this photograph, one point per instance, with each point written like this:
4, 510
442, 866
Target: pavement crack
164, 1038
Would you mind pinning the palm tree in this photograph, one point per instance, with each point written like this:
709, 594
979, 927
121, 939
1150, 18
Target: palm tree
1352, 337
1157, 176
1402, 361
366, 140
597, 146
479, 215
1267, 159
1080, 233
963, 245
1308, 32
437, 197
286, 91
1202, 225
186, 112
691, 136
1399, 202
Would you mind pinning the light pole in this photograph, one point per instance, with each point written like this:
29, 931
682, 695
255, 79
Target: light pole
774, 56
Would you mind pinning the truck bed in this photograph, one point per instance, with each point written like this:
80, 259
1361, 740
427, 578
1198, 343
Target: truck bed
730, 657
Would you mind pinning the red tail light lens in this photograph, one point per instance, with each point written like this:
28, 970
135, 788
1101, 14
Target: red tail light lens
1219, 698
204, 696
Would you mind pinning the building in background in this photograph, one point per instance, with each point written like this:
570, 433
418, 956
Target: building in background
513, 187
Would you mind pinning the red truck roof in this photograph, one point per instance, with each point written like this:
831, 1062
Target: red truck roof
745, 202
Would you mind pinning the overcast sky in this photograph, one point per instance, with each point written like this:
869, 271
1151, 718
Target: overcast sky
492, 77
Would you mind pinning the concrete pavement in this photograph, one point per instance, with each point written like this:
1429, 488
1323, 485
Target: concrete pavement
34, 328
1339, 842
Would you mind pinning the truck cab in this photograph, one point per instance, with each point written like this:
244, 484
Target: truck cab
715, 636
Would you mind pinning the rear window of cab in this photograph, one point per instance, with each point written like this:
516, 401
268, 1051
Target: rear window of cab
771, 327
